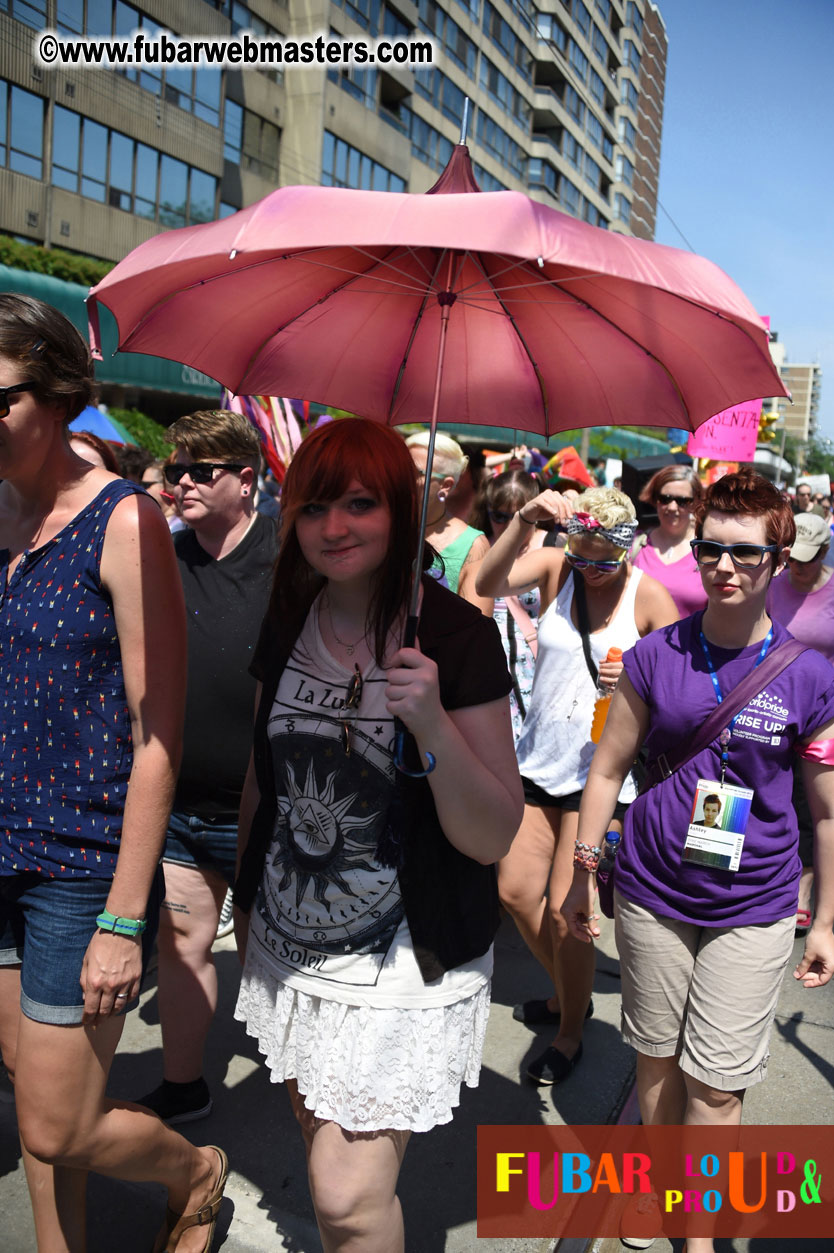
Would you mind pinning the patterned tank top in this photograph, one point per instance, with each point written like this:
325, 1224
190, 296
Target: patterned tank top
65, 742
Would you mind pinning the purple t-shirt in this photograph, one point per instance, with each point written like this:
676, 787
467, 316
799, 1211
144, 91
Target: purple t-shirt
669, 673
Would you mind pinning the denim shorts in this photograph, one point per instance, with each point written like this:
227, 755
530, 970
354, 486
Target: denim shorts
204, 843
45, 928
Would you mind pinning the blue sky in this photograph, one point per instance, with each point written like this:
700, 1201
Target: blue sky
747, 160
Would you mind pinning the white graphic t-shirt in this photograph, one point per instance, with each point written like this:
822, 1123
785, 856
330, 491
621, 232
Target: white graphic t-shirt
328, 919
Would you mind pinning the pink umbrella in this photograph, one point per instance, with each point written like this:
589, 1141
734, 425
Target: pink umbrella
459, 304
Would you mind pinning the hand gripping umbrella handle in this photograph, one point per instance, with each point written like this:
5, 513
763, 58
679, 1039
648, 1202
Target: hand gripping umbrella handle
400, 730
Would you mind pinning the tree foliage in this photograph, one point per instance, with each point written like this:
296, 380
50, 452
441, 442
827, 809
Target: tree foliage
145, 431
69, 266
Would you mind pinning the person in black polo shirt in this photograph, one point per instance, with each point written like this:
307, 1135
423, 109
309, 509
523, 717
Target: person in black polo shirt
225, 558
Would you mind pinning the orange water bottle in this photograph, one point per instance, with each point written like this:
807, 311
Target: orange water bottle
603, 702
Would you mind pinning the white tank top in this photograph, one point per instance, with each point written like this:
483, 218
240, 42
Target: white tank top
555, 748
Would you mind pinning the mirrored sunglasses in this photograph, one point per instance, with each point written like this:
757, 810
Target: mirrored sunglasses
198, 471
6, 392
707, 553
605, 567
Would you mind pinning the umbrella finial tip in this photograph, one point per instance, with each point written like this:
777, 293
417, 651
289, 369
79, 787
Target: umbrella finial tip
540, 262
233, 254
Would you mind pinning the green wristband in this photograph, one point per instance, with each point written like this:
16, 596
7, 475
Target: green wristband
131, 927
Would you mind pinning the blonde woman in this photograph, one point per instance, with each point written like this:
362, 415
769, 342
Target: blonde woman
459, 545
555, 749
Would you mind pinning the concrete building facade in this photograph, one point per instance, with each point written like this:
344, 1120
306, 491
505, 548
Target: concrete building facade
567, 101
804, 382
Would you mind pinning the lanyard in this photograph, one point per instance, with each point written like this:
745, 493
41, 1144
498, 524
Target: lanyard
726, 734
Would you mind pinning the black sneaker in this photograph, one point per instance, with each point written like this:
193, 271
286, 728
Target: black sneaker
179, 1102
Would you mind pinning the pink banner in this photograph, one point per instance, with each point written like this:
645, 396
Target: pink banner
730, 435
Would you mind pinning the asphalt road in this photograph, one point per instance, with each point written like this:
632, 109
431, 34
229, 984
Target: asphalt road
267, 1205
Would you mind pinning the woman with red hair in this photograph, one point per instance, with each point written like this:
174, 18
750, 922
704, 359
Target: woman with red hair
369, 952
705, 915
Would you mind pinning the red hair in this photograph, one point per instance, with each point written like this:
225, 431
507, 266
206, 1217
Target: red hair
749, 493
322, 470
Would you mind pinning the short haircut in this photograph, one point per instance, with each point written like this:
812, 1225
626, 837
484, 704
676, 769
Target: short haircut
671, 474
216, 435
449, 457
750, 495
133, 461
712, 799
48, 351
98, 445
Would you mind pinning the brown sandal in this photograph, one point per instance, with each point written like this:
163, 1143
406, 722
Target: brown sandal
205, 1215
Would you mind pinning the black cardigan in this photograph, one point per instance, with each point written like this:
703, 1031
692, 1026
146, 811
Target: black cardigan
450, 900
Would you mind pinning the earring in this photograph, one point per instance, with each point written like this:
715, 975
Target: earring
441, 496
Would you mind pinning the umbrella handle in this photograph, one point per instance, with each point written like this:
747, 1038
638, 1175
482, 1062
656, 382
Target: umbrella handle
400, 730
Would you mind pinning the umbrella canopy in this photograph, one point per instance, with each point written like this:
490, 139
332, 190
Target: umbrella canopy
338, 296
101, 424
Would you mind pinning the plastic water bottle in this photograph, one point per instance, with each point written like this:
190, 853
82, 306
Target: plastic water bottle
603, 701
609, 852
605, 873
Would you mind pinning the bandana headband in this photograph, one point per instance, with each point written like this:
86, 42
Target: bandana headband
621, 535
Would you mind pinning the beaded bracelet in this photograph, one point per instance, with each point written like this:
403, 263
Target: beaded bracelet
586, 856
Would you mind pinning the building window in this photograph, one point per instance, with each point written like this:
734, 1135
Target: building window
428, 145
634, 18
242, 19
631, 56
573, 103
597, 86
571, 149
393, 25
472, 7
449, 35
505, 38
582, 17
250, 142
600, 46
603, 7
542, 174
112, 168
579, 61
622, 209
624, 170
32, 12
496, 140
502, 90
570, 197
593, 174
487, 181
627, 131
345, 166
21, 130
440, 91
549, 29
366, 13
629, 94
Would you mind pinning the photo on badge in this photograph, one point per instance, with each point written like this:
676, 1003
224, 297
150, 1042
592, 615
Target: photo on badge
717, 823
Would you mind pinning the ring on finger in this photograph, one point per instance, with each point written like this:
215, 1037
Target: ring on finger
121, 996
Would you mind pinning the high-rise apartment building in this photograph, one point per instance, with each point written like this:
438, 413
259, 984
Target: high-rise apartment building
804, 382
566, 104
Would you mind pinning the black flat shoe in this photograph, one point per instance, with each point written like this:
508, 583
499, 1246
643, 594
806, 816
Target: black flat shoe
536, 1013
551, 1066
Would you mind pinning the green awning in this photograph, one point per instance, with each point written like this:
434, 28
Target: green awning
129, 369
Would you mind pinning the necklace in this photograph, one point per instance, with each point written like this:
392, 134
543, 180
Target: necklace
350, 649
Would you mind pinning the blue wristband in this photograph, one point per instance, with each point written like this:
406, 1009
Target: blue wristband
131, 927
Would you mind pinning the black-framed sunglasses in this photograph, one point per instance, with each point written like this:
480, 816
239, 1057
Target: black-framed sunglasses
351, 706
747, 556
682, 502
6, 392
198, 471
498, 516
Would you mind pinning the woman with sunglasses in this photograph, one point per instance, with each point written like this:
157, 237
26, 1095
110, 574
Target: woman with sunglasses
590, 595
369, 955
705, 923
89, 746
665, 552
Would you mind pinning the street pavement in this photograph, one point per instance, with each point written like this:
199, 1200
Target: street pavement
267, 1205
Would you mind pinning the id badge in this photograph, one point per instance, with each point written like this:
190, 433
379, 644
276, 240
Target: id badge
715, 836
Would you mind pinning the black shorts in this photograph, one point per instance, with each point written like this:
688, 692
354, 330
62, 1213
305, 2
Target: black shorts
569, 804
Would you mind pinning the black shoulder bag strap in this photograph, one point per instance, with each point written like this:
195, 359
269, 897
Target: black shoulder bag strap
584, 623
777, 660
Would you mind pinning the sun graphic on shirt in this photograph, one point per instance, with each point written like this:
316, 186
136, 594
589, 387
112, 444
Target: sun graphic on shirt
318, 844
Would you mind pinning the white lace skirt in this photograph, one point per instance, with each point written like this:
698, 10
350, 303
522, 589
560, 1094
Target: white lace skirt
363, 1068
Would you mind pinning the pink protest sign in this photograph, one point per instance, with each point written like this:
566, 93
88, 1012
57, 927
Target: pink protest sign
730, 435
